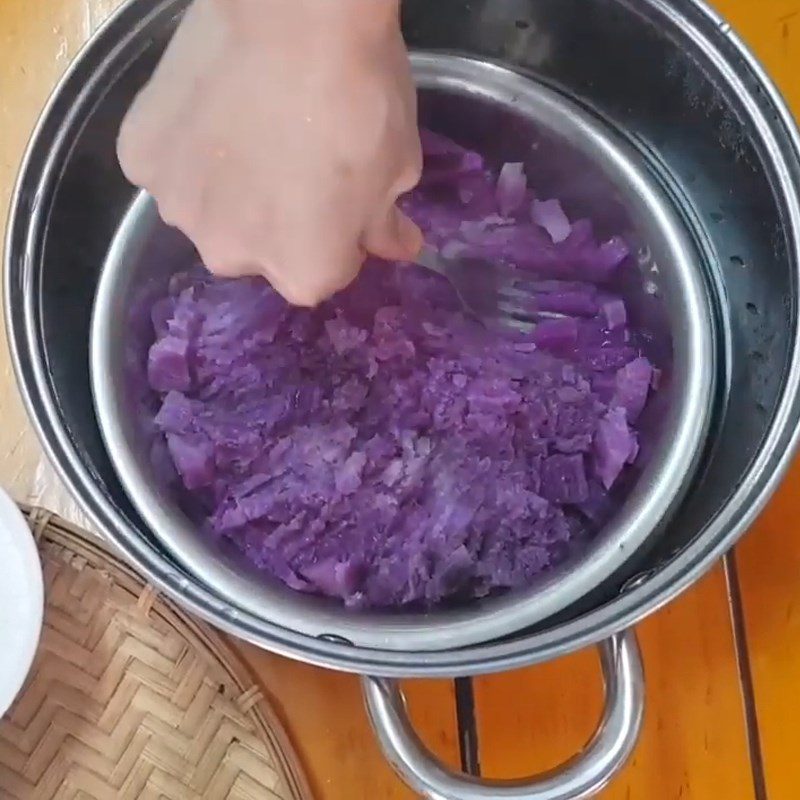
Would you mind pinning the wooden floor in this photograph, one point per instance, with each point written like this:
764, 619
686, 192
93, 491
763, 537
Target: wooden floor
723, 662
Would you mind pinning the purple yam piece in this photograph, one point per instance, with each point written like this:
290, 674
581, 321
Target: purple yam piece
168, 365
512, 186
549, 215
615, 313
348, 476
615, 445
194, 459
335, 578
564, 479
632, 387
576, 302
556, 335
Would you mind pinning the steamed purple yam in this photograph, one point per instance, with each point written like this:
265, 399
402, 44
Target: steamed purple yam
633, 386
512, 187
386, 449
564, 479
615, 313
168, 365
445, 162
571, 298
549, 215
193, 456
557, 335
615, 445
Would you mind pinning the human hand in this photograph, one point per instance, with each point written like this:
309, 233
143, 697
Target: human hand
278, 135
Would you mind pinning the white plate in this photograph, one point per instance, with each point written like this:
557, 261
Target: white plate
21, 600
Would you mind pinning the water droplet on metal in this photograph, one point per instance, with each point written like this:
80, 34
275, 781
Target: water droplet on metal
636, 581
334, 639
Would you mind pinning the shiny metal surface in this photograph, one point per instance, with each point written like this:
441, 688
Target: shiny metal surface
668, 76
490, 292
582, 776
144, 250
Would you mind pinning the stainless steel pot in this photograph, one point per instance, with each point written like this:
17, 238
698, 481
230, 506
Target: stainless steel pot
602, 175
670, 79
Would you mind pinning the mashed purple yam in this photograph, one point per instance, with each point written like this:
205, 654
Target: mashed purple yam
387, 450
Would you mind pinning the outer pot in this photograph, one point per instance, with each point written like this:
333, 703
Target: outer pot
685, 92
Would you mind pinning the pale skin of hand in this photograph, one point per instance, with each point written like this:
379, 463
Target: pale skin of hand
278, 135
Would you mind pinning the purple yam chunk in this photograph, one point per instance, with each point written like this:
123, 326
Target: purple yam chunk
512, 186
177, 413
601, 264
168, 365
632, 387
615, 314
335, 578
348, 477
194, 459
615, 445
454, 573
344, 337
549, 215
599, 507
162, 462
564, 479
160, 315
446, 164
556, 335
574, 302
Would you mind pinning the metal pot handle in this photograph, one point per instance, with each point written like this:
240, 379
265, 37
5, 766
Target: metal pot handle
581, 777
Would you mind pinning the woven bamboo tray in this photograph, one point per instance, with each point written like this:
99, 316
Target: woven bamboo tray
131, 698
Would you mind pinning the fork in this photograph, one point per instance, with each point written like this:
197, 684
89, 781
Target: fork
491, 292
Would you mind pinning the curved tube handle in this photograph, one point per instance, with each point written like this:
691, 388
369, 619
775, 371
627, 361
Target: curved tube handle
581, 777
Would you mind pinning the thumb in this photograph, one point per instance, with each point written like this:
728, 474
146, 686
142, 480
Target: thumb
393, 237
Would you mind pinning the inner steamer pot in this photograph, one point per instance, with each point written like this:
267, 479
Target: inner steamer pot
596, 175
671, 79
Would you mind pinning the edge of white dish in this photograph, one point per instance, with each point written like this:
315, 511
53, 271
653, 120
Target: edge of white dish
21, 601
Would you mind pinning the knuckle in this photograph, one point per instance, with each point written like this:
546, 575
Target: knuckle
212, 256
135, 154
223, 269
410, 174
303, 297
131, 160
169, 209
178, 207
224, 258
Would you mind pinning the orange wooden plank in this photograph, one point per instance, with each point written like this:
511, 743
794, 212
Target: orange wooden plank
768, 560
768, 563
694, 744
772, 29
325, 716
